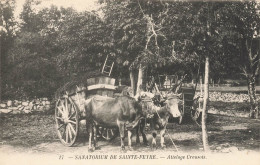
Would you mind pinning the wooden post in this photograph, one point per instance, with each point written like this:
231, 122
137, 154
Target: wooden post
132, 79
201, 92
201, 87
139, 87
204, 114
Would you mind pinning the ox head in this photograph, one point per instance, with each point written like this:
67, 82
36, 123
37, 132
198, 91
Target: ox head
172, 104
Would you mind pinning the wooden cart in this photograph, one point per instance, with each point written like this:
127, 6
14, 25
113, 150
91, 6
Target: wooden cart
70, 109
191, 105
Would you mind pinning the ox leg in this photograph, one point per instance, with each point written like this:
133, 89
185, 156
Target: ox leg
142, 127
154, 140
162, 134
121, 127
95, 137
130, 140
137, 135
90, 130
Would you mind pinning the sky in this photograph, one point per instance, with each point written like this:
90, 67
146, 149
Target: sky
79, 5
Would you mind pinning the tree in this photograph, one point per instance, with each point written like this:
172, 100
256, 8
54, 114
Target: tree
138, 38
32, 70
52, 45
172, 32
202, 39
241, 27
7, 35
81, 37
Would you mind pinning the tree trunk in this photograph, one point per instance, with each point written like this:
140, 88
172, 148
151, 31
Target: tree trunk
251, 71
120, 78
254, 108
1, 92
204, 114
139, 87
132, 78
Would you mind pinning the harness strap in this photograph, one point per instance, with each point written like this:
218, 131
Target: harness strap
171, 140
165, 129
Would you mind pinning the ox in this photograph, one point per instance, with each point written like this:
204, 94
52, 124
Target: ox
122, 112
160, 116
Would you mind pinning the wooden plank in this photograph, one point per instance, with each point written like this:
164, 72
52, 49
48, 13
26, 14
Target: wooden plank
101, 80
101, 86
104, 92
91, 81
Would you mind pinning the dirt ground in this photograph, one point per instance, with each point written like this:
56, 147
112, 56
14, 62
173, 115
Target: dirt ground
35, 133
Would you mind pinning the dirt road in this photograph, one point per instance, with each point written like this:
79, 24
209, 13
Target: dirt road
32, 139
35, 133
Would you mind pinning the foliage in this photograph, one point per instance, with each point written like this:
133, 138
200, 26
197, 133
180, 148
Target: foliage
55, 44
52, 46
7, 34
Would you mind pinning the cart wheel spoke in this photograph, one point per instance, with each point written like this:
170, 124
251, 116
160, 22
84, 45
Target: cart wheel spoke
72, 129
66, 106
60, 110
59, 118
112, 133
107, 134
61, 126
64, 109
70, 135
73, 122
67, 134
73, 113
103, 132
70, 109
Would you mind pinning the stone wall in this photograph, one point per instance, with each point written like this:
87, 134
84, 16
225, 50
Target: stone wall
25, 106
230, 97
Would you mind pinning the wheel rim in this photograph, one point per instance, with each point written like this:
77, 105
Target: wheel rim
108, 133
67, 122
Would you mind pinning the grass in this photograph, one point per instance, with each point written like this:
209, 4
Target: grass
240, 107
27, 129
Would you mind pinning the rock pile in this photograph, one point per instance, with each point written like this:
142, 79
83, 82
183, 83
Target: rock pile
229, 97
17, 106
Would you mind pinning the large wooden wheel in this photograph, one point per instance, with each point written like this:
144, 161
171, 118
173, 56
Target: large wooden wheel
67, 121
107, 133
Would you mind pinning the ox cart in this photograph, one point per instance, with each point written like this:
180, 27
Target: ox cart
70, 110
70, 107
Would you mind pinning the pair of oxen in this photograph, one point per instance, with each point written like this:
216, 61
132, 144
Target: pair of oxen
129, 115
